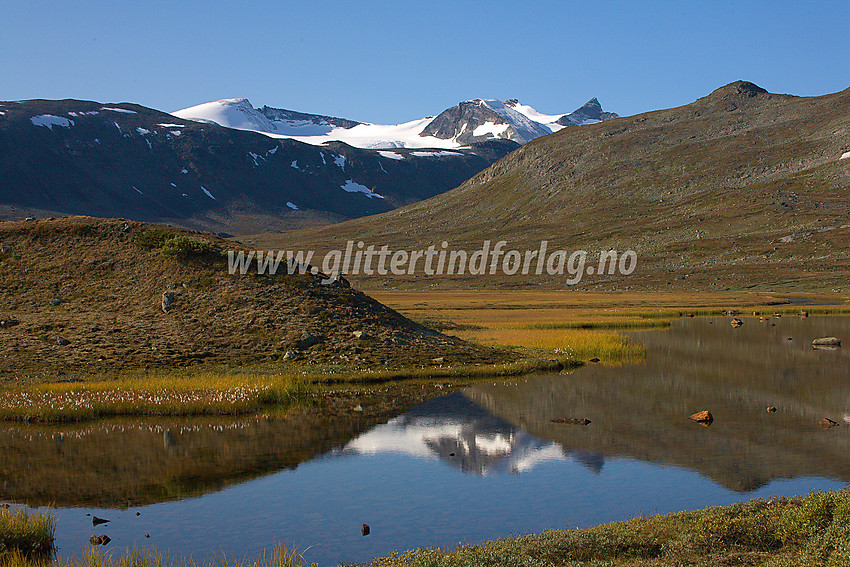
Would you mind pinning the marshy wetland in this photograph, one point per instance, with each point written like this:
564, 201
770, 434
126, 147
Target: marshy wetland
428, 464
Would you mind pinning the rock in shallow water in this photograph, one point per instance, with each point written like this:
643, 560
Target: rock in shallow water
703, 417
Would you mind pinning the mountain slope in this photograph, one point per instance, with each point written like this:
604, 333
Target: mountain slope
740, 188
466, 123
79, 157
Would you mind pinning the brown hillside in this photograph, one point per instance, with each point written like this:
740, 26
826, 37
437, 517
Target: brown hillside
738, 189
86, 295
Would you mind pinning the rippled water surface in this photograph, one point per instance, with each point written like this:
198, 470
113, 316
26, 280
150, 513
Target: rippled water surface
480, 463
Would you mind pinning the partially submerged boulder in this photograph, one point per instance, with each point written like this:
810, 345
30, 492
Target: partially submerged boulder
704, 417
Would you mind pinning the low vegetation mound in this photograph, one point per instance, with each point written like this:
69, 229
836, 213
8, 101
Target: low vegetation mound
79, 294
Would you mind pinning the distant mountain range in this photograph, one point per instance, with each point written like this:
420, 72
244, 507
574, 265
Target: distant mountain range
468, 122
236, 169
125, 160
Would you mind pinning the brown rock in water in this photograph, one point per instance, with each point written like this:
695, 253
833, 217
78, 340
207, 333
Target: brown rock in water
703, 417
827, 423
364, 529
827, 341
97, 521
594, 359
571, 421
771, 409
99, 540
736, 322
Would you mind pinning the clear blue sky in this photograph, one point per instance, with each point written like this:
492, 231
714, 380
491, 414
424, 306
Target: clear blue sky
388, 62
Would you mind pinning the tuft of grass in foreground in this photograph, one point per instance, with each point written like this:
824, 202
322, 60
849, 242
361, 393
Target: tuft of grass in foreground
280, 557
153, 396
780, 532
26, 535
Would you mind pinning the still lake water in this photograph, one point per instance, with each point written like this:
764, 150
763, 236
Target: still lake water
480, 463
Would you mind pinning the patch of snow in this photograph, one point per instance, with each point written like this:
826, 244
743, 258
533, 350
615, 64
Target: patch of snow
353, 187
295, 165
2, 113
254, 157
173, 185
230, 112
175, 132
150, 146
393, 155
845, 155
142, 131
137, 191
382, 167
74, 114
117, 126
340, 162
323, 158
436, 154
208, 194
186, 195
380, 136
123, 110
273, 150
97, 141
292, 205
184, 171
533, 114
490, 128
172, 125
49, 121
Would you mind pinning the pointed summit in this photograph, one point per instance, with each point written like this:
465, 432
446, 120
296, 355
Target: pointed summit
588, 113
739, 88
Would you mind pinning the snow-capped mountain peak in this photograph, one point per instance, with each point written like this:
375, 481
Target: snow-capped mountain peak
235, 113
468, 122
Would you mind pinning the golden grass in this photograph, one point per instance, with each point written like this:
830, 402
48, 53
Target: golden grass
576, 344
204, 394
580, 325
26, 534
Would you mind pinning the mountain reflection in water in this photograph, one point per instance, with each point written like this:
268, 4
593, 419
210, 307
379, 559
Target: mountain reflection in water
459, 432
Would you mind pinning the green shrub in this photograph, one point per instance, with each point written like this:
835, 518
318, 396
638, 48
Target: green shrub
174, 245
181, 246
812, 515
154, 238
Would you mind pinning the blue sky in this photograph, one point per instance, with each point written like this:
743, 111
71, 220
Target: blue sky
388, 62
